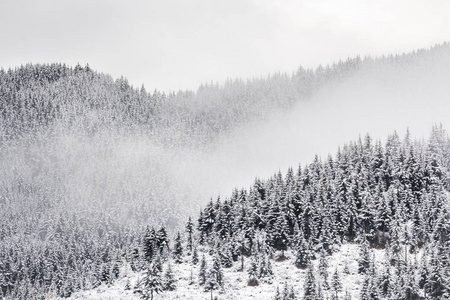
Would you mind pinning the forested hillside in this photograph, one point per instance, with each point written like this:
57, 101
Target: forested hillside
84, 170
392, 199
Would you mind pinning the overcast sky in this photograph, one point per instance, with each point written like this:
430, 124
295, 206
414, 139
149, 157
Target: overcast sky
177, 44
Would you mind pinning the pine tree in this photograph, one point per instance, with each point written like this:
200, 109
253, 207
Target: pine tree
369, 290
149, 243
227, 257
162, 242
195, 255
189, 231
336, 284
411, 287
302, 254
323, 269
128, 285
310, 286
346, 268
169, 279
291, 295
215, 277
265, 266
253, 273
436, 284
364, 258
202, 272
285, 291
178, 250
385, 280
151, 283
278, 295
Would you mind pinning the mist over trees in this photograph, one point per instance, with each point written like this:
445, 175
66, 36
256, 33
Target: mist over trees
75, 206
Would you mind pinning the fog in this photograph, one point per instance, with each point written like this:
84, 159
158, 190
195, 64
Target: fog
378, 103
136, 179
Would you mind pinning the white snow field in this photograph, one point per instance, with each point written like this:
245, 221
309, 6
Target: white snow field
235, 286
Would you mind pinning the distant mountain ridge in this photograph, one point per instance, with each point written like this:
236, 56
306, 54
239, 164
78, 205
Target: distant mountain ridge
44, 95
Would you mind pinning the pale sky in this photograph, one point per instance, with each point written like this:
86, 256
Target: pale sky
177, 44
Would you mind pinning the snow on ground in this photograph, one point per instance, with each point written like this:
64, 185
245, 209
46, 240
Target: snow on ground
235, 286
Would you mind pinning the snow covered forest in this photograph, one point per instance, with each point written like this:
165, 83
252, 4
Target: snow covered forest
78, 212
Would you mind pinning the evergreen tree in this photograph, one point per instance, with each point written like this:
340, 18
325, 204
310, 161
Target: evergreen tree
385, 280
302, 254
169, 279
265, 266
336, 284
278, 295
323, 269
215, 277
151, 283
178, 250
364, 261
310, 285
162, 242
149, 243
195, 255
437, 285
189, 231
253, 273
202, 272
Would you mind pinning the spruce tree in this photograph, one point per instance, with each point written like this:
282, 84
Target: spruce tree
151, 283
202, 271
195, 255
169, 279
278, 295
178, 249
215, 277
310, 285
336, 284
253, 273
323, 269
189, 231
302, 254
385, 280
149, 243
364, 261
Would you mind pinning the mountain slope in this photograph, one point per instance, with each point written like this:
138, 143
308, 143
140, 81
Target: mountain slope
88, 162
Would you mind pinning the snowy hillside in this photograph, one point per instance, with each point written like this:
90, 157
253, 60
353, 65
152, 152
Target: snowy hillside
98, 180
236, 283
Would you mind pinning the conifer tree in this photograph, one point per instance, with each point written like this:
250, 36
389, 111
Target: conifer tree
195, 255
302, 254
202, 272
189, 231
215, 277
151, 283
253, 273
278, 295
285, 291
385, 280
346, 268
310, 285
323, 269
169, 279
336, 284
178, 249
291, 295
265, 266
364, 261
149, 243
